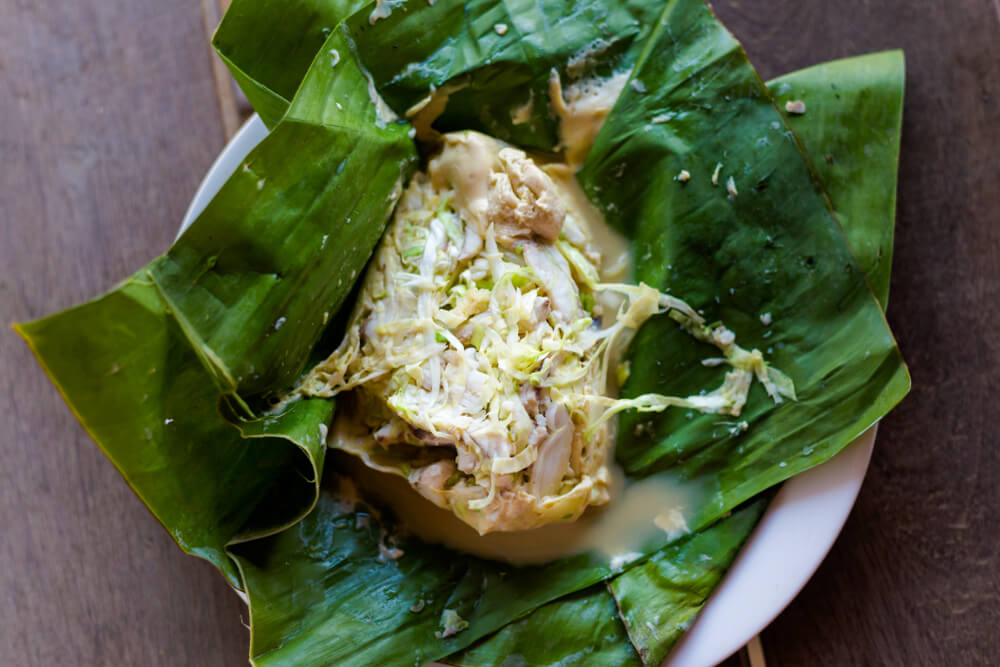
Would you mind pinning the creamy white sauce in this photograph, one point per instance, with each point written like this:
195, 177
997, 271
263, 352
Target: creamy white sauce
520, 115
615, 248
383, 112
581, 109
423, 114
649, 511
585, 59
466, 165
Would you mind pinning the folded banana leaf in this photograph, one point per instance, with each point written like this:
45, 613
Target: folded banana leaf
852, 103
128, 372
581, 628
489, 75
851, 132
231, 313
660, 601
268, 46
588, 627
324, 591
749, 240
157, 369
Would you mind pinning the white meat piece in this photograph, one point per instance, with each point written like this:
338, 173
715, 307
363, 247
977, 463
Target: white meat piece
523, 200
554, 453
430, 480
553, 271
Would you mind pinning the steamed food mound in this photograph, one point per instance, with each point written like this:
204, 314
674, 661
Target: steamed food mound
477, 358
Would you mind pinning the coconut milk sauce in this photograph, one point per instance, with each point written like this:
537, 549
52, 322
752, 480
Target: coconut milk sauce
640, 513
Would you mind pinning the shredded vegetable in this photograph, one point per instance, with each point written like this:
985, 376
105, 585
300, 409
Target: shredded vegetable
477, 358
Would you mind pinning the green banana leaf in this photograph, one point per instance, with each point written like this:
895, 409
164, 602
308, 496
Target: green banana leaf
660, 598
157, 369
581, 628
483, 69
259, 258
490, 76
128, 372
852, 102
324, 592
851, 131
761, 252
587, 628
268, 46
307, 206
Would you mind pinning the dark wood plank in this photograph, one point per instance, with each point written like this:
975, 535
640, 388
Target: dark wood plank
111, 114
109, 120
913, 579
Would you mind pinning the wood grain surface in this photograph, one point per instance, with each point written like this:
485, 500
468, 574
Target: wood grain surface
112, 110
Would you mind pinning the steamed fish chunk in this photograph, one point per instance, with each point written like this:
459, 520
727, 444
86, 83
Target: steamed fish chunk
523, 200
475, 363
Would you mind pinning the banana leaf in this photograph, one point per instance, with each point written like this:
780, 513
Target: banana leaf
162, 370
759, 249
854, 113
581, 628
286, 237
324, 591
127, 370
851, 102
851, 131
489, 75
268, 46
307, 206
659, 599
588, 628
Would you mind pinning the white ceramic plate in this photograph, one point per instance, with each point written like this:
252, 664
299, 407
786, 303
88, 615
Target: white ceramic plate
785, 549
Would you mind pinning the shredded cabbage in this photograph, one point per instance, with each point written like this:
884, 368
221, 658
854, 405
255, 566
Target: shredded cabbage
477, 358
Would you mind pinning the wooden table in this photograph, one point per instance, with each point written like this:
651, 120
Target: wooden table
112, 111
